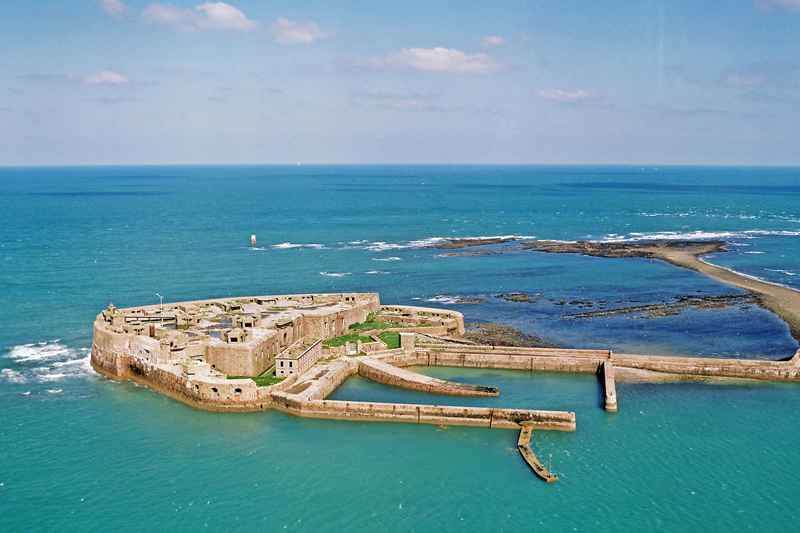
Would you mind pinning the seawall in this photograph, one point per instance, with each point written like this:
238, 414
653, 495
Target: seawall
591, 361
425, 414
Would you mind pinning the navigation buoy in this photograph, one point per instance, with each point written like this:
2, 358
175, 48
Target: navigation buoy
252, 239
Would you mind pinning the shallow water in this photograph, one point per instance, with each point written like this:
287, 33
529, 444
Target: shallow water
79, 452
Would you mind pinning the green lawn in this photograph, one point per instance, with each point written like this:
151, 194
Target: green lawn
350, 337
391, 338
371, 323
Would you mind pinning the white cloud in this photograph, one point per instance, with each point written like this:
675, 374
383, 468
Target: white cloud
296, 31
578, 97
213, 16
526, 38
220, 16
434, 60
492, 42
115, 8
169, 15
105, 77
742, 80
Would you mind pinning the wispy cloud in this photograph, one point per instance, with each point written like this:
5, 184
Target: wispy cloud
285, 31
782, 5
771, 73
743, 80
403, 102
210, 16
433, 60
112, 99
492, 42
526, 38
579, 97
104, 78
115, 8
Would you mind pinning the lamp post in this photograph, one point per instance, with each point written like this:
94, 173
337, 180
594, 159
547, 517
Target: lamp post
162, 309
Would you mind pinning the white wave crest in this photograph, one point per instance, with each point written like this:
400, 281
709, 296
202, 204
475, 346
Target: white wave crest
440, 299
288, 245
383, 247
335, 274
787, 272
432, 241
386, 259
11, 376
377, 272
38, 351
55, 361
701, 235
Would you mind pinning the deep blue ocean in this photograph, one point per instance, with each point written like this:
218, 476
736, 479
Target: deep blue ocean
79, 452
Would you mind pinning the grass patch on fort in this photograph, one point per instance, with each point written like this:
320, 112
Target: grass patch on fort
350, 337
371, 324
264, 380
391, 338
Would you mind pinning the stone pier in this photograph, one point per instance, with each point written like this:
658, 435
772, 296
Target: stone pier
609, 387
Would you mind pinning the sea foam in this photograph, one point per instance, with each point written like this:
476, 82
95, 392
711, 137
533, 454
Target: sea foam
53, 361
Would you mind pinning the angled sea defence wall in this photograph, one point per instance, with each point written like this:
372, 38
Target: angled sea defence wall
523, 444
388, 374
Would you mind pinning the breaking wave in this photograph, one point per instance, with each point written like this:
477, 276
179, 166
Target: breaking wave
697, 235
45, 362
787, 272
440, 299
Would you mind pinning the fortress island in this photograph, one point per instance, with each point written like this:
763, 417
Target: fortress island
289, 352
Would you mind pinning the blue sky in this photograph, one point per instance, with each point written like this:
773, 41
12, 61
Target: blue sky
628, 81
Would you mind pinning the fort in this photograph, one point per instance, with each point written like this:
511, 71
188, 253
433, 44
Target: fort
290, 352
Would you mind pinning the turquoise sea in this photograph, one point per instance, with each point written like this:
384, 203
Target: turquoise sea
81, 453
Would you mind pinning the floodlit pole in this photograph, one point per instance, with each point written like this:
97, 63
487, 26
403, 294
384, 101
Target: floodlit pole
162, 309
